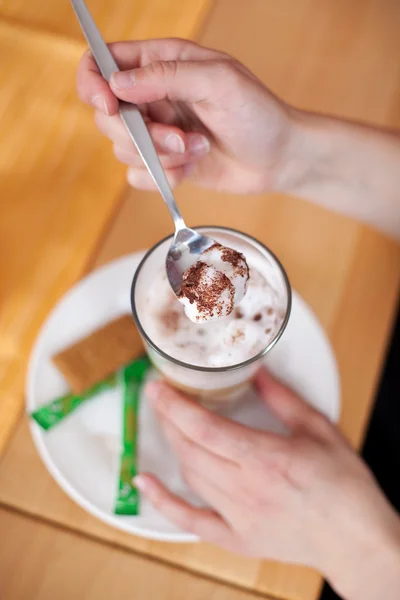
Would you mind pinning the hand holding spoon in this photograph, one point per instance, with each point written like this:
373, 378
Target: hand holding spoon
187, 244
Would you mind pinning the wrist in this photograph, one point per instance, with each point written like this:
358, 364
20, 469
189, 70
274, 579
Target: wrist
310, 156
293, 165
369, 569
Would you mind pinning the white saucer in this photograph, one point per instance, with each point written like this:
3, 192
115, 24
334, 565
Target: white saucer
81, 453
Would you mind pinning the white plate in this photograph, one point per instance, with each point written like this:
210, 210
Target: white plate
81, 453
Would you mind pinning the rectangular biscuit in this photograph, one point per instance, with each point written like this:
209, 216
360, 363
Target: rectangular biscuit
100, 354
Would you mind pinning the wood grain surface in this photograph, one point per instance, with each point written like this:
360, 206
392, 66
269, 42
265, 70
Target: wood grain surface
59, 181
117, 20
26, 486
43, 562
325, 55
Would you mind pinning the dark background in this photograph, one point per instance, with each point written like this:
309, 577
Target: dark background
382, 443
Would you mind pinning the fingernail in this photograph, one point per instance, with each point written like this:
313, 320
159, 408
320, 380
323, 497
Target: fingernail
131, 177
122, 80
199, 145
100, 103
174, 143
140, 482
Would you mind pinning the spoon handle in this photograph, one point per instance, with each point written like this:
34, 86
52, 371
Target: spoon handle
130, 113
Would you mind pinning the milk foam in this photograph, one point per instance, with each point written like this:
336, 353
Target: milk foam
225, 341
214, 257
222, 308
218, 283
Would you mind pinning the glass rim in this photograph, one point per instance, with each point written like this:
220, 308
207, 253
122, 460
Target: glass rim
236, 366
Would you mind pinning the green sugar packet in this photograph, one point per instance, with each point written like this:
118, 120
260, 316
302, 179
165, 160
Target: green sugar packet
132, 378
55, 411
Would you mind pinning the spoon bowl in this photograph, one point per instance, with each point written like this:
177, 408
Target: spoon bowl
184, 251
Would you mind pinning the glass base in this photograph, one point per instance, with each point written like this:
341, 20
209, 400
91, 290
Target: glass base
213, 399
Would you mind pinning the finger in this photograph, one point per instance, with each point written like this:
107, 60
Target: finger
212, 494
215, 468
168, 139
134, 160
94, 90
292, 410
188, 81
170, 161
114, 129
164, 112
217, 435
213, 478
203, 522
142, 180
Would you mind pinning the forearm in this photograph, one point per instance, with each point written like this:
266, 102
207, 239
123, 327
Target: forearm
369, 565
378, 578
346, 167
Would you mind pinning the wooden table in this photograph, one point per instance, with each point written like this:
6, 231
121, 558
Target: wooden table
66, 209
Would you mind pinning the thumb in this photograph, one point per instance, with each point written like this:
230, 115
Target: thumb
292, 410
188, 81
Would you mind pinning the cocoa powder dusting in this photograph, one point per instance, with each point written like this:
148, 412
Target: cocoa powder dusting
237, 336
235, 258
257, 317
206, 295
170, 319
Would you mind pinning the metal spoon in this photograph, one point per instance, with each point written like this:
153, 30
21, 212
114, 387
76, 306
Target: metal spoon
187, 244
